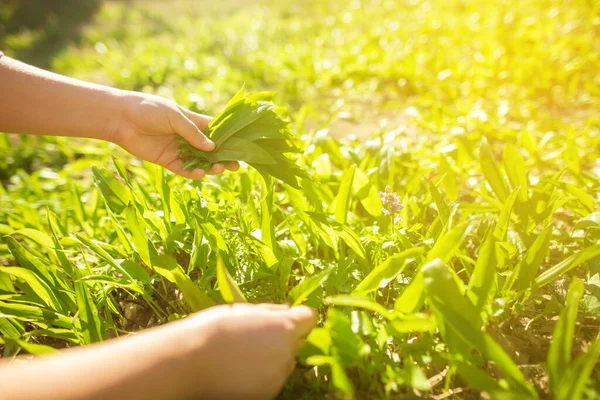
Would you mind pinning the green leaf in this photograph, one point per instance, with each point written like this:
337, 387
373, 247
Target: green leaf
141, 242
484, 274
359, 302
342, 200
229, 290
559, 355
196, 299
103, 254
167, 267
491, 171
25, 312
577, 376
588, 254
266, 223
442, 207
460, 325
504, 219
530, 265
340, 379
412, 298
136, 271
445, 248
592, 221
37, 285
60, 254
27, 260
91, 325
514, 165
352, 240
121, 170
584, 198
127, 245
239, 149
448, 243
36, 236
480, 380
115, 193
411, 323
11, 328
244, 115
214, 237
31, 348
346, 346
300, 292
366, 193
387, 271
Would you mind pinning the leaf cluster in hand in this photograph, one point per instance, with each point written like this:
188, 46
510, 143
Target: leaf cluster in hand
252, 129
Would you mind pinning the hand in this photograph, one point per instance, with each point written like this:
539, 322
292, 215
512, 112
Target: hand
246, 351
239, 351
148, 126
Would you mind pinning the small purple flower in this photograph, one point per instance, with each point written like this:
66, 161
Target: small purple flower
391, 201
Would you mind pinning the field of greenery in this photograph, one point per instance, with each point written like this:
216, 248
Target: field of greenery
448, 229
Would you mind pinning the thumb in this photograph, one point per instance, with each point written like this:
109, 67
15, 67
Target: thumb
304, 318
185, 128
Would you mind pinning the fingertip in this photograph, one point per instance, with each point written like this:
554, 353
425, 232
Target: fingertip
207, 144
216, 169
232, 166
274, 307
305, 315
197, 174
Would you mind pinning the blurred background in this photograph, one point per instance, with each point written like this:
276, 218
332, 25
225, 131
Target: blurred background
412, 89
506, 69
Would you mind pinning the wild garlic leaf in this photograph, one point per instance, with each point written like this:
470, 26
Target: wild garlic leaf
251, 128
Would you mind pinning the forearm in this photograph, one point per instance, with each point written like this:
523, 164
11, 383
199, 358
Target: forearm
147, 366
35, 101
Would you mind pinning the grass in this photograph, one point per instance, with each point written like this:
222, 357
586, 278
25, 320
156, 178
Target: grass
480, 116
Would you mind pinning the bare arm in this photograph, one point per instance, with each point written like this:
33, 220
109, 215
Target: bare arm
35, 101
40, 102
227, 352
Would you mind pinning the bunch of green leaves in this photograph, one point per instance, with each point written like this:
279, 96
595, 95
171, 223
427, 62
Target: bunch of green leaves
251, 129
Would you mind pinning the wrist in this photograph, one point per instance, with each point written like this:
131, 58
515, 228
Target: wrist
186, 355
117, 121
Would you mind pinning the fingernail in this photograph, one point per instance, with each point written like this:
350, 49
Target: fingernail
208, 140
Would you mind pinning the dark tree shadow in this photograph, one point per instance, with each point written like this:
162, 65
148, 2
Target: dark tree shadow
47, 25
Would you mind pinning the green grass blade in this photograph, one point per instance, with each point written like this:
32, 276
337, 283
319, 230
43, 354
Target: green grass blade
386, 271
462, 324
577, 376
240, 149
141, 242
91, 325
514, 164
559, 355
35, 236
484, 274
491, 171
300, 292
31, 348
444, 248
359, 302
366, 193
588, 254
115, 193
530, 265
342, 199
169, 269
36, 284
229, 289
442, 207
504, 218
